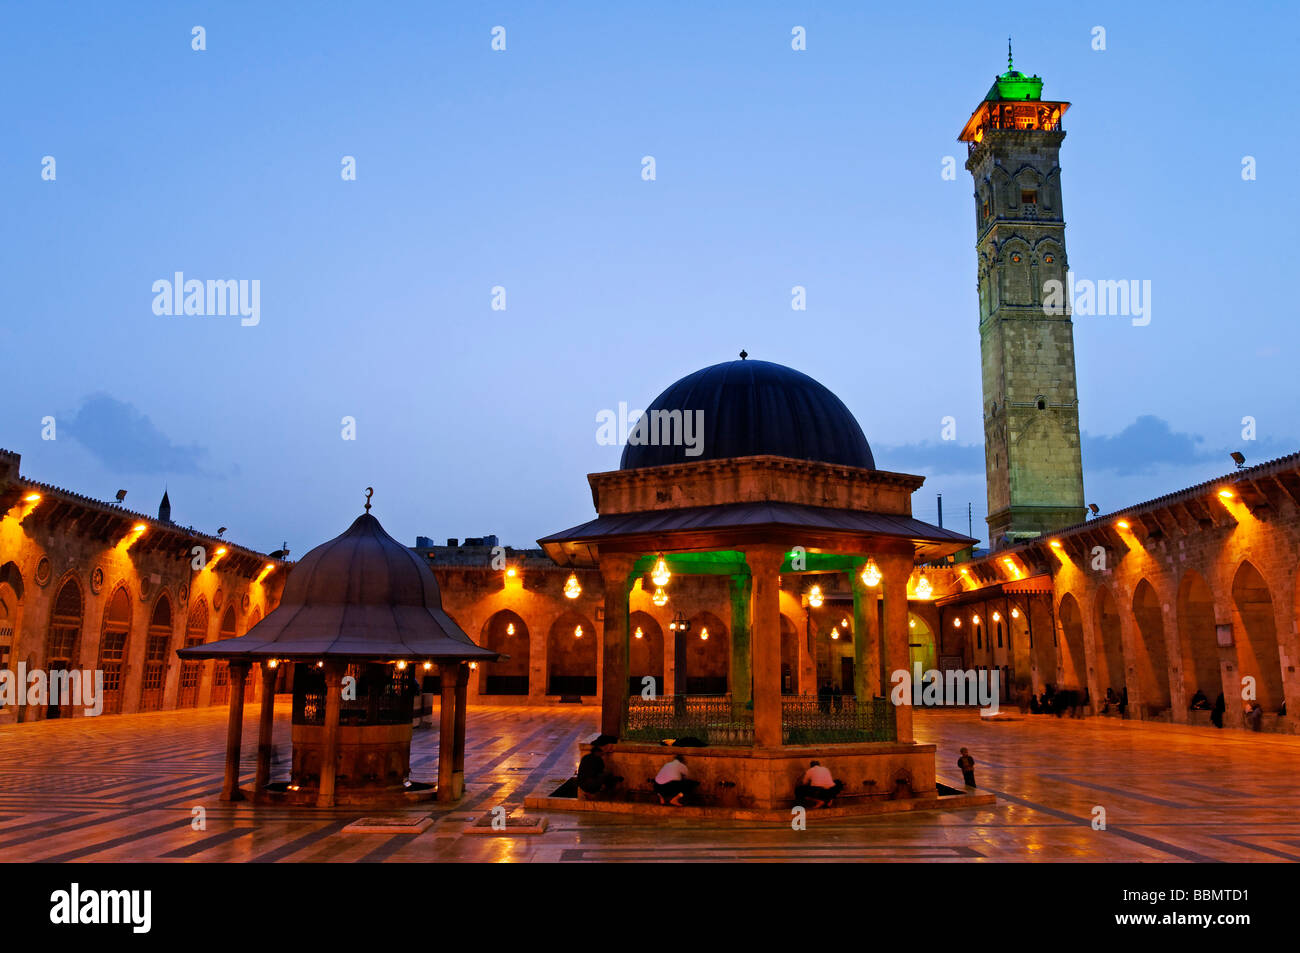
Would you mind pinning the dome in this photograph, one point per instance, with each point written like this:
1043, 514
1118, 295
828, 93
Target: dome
362, 595
756, 408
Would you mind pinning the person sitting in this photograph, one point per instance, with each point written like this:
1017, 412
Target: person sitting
817, 788
593, 779
674, 782
1254, 715
1200, 702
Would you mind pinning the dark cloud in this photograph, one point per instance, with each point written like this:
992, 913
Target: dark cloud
125, 440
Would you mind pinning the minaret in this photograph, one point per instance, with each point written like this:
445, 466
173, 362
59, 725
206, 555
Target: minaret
165, 509
1031, 406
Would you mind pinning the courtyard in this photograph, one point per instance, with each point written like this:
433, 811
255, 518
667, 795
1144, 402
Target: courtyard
126, 788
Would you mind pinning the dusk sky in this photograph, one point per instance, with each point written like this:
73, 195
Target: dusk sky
523, 169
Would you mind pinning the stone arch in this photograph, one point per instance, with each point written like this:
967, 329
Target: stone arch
506, 632
196, 633
1110, 644
1152, 657
11, 596
1072, 670
1197, 639
1255, 635
921, 643
789, 656
708, 660
114, 647
156, 654
1017, 286
221, 668
645, 654
570, 656
833, 643
63, 640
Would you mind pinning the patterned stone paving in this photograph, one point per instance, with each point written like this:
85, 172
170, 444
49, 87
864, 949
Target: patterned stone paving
122, 788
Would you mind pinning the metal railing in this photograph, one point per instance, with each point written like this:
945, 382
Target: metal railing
717, 720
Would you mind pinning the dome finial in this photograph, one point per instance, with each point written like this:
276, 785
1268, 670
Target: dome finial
370, 491
1010, 65
743, 354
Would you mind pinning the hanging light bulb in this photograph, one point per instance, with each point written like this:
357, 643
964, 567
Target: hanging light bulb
577, 632
956, 623
1015, 613
401, 666
428, 665
660, 597
510, 628
572, 588
835, 633
638, 633
871, 574
660, 574
923, 588
911, 623
704, 634
997, 616
844, 624
815, 596
975, 619
680, 623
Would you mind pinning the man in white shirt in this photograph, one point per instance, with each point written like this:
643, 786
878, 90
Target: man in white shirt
817, 787
674, 781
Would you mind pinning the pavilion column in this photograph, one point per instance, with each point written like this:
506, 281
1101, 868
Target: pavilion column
234, 731
615, 571
447, 732
866, 638
265, 729
741, 681
896, 571
329, 763
765, 567
458, 743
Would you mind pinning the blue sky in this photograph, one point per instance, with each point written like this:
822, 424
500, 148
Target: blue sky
522, 169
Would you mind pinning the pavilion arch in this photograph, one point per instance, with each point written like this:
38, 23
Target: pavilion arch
570, 656
789, 656
505, 632
1197, 639
645, 653
221, 668
196, 633
114, 648
921, 643
1255, 634
157, 654
708, 660
1020, 645
1152, 661
1110, 645
63, 641
1072, 656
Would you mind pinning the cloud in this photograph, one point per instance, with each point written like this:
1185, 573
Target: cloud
1147, 442
125, 440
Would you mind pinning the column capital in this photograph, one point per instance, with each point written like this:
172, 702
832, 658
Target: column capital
334, 673
616, 567
765, 557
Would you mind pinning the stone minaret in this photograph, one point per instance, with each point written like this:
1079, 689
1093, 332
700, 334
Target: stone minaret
1031, 407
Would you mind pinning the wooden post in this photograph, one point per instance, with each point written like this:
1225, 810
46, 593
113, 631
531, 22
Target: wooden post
615, 568
447, 672
458, 745
765, 642
234, 732
265, 730
329, 764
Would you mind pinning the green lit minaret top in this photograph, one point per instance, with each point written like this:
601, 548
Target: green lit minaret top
1014, 85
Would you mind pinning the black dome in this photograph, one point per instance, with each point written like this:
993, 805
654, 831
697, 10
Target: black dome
756, 407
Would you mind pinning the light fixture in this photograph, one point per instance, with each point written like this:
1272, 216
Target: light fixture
1238, 458
428, 665
844, 624
1122, 524
473, 666
1015, 613
1226, 494
401, 665
510, 628
997, 616
32, 498
923, 588
1055, 544
975, 619
871, 574
638, 634
138, 528
956, 623
660, 597
660, 574
1011, 565
572, 588
270, 567
577, 632
680, 623
704, 634
835, 633
815, 597
511, 571
320, 664
272, 663
221, 550
911, 623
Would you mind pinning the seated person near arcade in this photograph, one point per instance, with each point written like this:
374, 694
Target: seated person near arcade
593, 779
673, 782
817, 788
